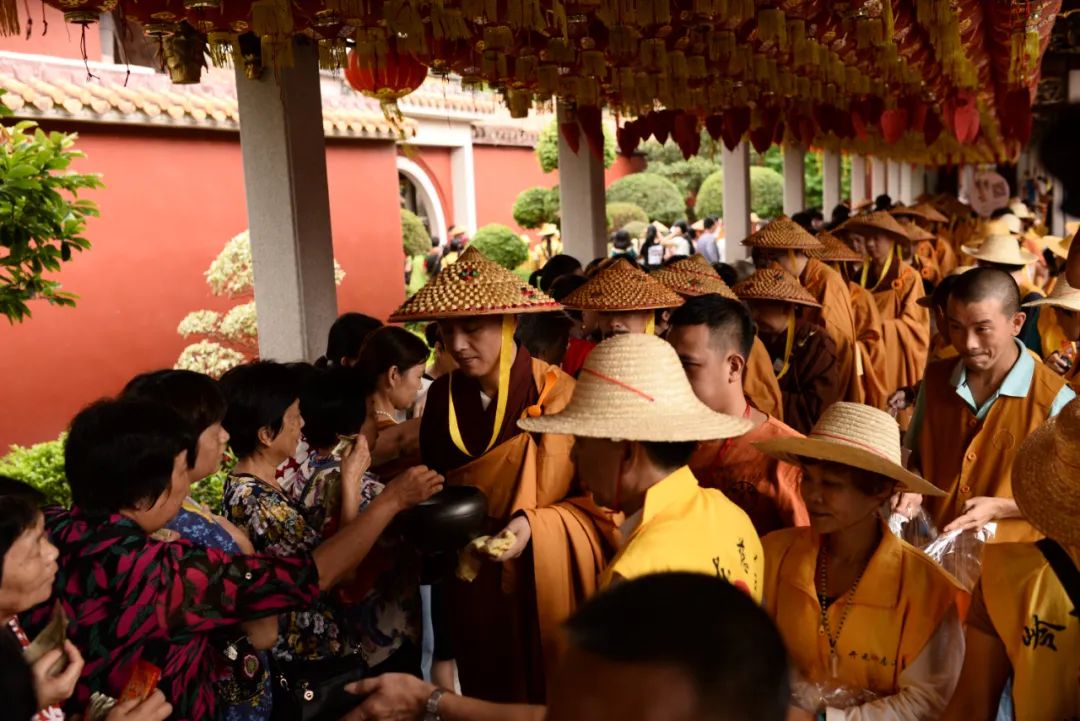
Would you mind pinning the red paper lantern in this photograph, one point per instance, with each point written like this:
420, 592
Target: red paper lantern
894, 123
965, 118
388, 80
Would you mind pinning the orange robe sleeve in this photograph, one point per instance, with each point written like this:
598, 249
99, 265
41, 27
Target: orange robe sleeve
760, 384
905, 330
944, 255
836, 317
871, 348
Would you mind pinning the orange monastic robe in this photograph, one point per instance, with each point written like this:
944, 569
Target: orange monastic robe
905, 328
871, 349
944, 255
760, 384
835, 315
925, 256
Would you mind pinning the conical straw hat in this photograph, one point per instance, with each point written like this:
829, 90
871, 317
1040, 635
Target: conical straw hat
622, 287
686, 282
775, 284
917, 234
855, 435
834, 250
1062, 296
698, 264
923, 211
473, 286
782, 234
1059, 246
633, 388
1003, 249
1046, 476
878, 221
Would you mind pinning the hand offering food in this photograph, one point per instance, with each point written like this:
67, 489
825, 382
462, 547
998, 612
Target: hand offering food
472, 556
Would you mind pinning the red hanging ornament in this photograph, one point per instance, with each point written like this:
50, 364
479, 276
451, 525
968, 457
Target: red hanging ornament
627, 138
736, 123
714, 125
687, 136
894, 123
1015, 114
386, 79
966, 118
932, 128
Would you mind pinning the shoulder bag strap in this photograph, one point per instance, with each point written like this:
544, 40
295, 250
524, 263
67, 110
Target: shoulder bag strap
1064, 568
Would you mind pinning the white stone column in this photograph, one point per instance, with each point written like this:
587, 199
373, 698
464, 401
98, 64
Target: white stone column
859, 191
832, 170
794, 179
892, 179
903, 193
918, 181
463, 176
284, 155
581, 196
966, 182
877, 178
736, 200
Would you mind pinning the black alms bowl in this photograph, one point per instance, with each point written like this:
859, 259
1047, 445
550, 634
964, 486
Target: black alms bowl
447, 521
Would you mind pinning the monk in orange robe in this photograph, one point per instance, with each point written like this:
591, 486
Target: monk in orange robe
514, 607
712, 336
786, 244
938, 247
896, 287
694, 276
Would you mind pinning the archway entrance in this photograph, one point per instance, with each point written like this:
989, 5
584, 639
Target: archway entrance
418, 194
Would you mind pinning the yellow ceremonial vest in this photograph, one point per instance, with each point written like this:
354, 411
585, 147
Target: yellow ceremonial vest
1032, 614
691, 529
967, 457
899, 603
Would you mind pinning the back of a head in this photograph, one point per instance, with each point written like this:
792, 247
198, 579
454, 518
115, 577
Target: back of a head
545, 335
883, 202
391, 346
258, 394
558, 266
347, 336
840, 214
982, 284
566, 285
432, 334
622, 240
650, 235
804, 219
120, 454
197, 398
727, 272
333, 403
709, 223
699, 625
728, 320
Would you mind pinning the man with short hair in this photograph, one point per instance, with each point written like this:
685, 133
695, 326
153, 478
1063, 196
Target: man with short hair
706, 244
972, 414
713, 336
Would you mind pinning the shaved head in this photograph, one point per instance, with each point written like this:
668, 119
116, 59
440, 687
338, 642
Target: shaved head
982, 284
729, 322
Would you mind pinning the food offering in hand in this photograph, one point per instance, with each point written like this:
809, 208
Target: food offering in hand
491, 547
344, 445
51, 637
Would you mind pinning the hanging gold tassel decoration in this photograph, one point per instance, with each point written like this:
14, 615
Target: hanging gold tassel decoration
272, 22
333, 54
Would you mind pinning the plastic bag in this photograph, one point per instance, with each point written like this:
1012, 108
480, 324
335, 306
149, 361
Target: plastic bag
960, 553
814, 696
918, 531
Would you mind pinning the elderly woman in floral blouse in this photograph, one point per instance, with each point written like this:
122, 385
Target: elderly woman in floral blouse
131, 597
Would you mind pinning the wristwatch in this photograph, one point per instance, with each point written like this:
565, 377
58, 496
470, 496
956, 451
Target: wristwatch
431, 709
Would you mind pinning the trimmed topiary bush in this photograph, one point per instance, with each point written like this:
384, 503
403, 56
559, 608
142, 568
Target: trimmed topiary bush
536, 206
501, 245
414, 236
619, 214
710, 197
658, 197
547, 147
766, 191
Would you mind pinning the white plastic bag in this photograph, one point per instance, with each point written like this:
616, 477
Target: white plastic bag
960, 553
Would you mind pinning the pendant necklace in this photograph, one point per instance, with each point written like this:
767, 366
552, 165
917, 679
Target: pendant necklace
823, 601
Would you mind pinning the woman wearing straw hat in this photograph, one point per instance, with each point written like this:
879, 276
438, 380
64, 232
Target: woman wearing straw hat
786, 244
636, 422
896, 287
694, 276
1023, 623
870, 350
804, 357
870, 622
469, 433
1059, 329
1004, 253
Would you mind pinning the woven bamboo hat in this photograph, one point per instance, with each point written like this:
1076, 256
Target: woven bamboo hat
1046, 476
922, 211
775, 284
1059, 246
878, 221
834, 250
1003, 249
917, 234
855, 435
472, 286
622, 287
1062, 296
633, 388
690, 278
783, 234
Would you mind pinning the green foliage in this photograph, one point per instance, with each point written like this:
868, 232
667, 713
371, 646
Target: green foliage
501, 245
636, 228
547, 147
710, 197
657, 196
414, 236
42, 219
766, 192
536, 206
41, 466
815, 182
687, 175
619, 214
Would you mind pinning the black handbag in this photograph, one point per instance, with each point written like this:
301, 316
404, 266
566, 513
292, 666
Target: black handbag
315, 690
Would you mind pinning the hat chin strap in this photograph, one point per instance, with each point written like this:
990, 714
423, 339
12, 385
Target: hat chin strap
789, 345
884, 270
650, 325
505, 364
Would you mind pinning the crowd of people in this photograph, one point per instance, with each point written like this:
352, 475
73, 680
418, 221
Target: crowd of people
710, 491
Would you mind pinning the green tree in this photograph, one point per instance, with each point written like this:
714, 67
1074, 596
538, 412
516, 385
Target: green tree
42, 219
414, 236
710, 198
619, 214
536, 206
766, 191
547, 147
501, 244
815, 182
41, 466
657, 196
667, 161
